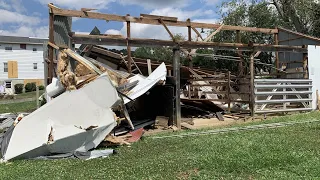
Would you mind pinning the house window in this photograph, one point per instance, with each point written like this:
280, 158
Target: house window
23, 46
35, 65
5, 67
34, 49
8, 84
8, 48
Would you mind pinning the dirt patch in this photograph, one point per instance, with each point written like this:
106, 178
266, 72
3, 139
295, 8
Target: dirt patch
187, 174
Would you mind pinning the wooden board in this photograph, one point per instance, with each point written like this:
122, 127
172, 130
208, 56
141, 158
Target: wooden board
12, 69
112, 17
137, 42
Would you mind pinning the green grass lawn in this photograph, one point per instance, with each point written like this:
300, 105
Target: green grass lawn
18, 107
25, 95
291, 152
28, 94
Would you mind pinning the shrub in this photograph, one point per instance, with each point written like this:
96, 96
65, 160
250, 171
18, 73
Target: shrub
41, 87
18, 88
30, 87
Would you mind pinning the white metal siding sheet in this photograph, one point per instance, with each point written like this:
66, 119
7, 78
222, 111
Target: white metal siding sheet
25, 60
314, 71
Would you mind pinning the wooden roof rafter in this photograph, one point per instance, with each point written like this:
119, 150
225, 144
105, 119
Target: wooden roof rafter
138, 42
152, 21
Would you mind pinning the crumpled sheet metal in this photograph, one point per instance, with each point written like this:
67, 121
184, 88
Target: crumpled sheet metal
65, 118
147, 83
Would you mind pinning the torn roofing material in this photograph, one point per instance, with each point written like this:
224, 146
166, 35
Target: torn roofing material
60, 125
145, 84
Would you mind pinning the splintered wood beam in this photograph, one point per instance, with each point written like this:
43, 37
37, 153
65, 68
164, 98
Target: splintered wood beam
112, 17
276, 42
214, 33
257, 54
129, 59
138, 42
167, 29
87, 9
53, 45
197, 32
166, 18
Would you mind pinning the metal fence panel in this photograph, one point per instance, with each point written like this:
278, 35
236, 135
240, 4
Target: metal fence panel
282, 95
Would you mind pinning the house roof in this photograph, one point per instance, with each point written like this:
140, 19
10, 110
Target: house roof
298, 34
22, 40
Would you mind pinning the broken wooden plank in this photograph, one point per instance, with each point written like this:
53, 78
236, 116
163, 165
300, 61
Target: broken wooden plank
167, 29
53, 45
188, 126
165, 18
213, 34
137, 42
83, 61
111, 17
197, 32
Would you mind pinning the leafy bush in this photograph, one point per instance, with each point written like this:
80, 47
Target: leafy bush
30, 87
41, 87
18, 88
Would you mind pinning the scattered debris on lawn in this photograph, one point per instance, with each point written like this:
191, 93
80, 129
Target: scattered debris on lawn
91, 104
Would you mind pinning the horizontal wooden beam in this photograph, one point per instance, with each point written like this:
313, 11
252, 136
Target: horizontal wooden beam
112, 17
166, 18
137, 42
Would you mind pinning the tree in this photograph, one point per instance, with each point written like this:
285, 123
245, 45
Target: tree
296, 14
240, 13
158, 53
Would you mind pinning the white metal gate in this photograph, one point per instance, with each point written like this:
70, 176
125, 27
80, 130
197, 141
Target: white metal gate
282, 95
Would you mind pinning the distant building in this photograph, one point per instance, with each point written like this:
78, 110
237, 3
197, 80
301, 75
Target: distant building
21, 60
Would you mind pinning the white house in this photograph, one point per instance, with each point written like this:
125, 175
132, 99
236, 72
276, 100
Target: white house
21, 60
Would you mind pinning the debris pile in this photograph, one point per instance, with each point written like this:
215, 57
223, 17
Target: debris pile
83, 106
93, 103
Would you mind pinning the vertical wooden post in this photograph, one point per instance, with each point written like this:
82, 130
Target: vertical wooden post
128, 46
228, 91
239, 54
149, 66
305, 64
276, 42
252, 94
189, 91
50, 48
189, 39
176, 72
37, 97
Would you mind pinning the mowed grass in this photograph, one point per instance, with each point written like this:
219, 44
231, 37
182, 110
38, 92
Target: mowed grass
25, 95
18, 107
29, 94
284, 153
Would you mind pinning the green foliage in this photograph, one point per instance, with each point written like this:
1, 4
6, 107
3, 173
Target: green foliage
158, 53
240, 13
41, 87
18, 88
30, 87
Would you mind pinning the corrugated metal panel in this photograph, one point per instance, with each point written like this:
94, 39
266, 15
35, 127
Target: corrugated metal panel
287, 38
6, 123
62, 26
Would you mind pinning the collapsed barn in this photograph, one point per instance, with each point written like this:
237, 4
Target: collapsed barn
103, 93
